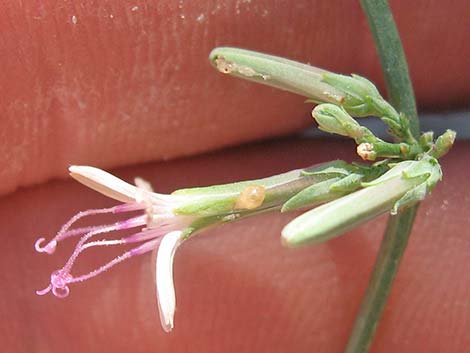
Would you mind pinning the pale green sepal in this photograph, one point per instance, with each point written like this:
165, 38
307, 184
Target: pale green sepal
201, 223
323, 192
222, 199
312, 195
396, 170
359, 93
348, 184
369, 87
231, 189
417, 169
337, 168
208, 206
428, 169
410, 198
435, 177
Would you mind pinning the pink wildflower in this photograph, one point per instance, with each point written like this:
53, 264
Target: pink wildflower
156, 227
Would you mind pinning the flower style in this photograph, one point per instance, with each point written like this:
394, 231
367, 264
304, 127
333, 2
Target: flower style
159, 227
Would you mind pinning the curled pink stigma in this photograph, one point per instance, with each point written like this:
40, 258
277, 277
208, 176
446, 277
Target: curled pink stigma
155, 219
149, 237
59, 287
48, 248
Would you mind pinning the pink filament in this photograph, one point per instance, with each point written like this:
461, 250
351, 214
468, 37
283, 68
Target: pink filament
142, 249
61, 278
65, 231
157, 218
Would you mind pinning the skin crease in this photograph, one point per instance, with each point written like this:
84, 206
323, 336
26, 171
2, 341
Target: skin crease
116, 85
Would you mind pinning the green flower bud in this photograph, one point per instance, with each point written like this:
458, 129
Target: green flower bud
426, 140
274, 71
444, 143
405, 184
336, 120
357, 95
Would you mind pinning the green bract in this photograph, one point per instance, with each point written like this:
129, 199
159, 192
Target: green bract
360, 94
338, 184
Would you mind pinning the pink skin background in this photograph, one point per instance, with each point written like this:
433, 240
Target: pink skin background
125, 83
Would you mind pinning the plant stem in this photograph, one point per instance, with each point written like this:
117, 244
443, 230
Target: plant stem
395, 69
393, 60
386, 266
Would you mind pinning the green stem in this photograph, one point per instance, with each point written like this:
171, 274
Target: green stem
399, 227
386, 266
381, 149
392, 59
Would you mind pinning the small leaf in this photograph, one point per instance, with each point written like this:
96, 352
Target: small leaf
410, 198
337, 168
313, 195
348, 184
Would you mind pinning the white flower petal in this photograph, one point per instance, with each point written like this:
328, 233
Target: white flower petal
165, 288
103, 182
143, 184
144, 191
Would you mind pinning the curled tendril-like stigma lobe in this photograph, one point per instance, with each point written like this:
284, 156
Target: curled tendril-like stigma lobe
49, 248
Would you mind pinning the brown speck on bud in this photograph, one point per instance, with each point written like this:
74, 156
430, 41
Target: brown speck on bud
224, 65
336, 97
251, 197
227, 67
404, 149
366, 151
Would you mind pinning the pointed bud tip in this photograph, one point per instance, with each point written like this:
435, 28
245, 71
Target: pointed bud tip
334, 119
291, 236
217, 53
285, 241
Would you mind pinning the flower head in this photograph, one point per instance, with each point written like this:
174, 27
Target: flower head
157, 224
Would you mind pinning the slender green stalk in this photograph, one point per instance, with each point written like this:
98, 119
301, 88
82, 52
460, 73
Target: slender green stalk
386, 266
399, 227
392, 59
